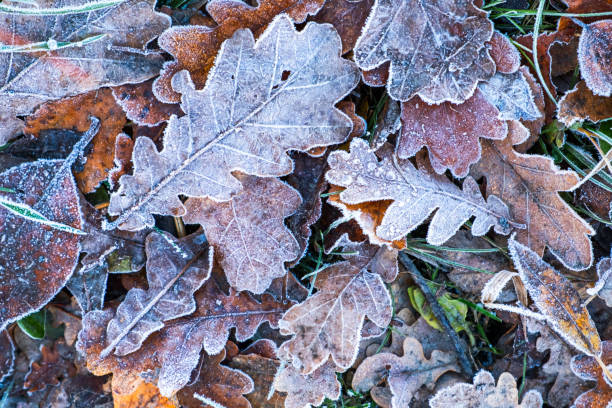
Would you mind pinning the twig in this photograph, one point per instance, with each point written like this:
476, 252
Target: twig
462, 354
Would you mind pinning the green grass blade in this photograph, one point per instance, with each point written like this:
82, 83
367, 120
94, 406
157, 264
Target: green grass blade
49, 45
24, 211
83, 8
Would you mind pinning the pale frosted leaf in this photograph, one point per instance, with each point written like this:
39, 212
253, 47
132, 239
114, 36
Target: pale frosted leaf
415, 194
603, 286
436, 48
330, 321
511, 94
175, 270
88, 286
483, 393
505, 55
29, 79
307, 390
595, 57
405, 374
250, 239
260, 100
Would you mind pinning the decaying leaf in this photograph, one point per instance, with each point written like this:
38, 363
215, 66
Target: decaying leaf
416, 193
250, 239
512, 95
88, 286
141, 106
556, 299
595, 57
245, 127
7, 355
347, 17
436, 48
36, 260
603, 287
308, 390
117, 56
195, 47
49, 370
405, 374
175, 270
582, 104
505, 55
450, 132
529, 185
483, 393
587, 368
142, 395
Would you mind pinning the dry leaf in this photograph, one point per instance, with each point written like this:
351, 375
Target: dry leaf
512, 95
30, 79
195, 47
415, 194
307, 390
484, 394
405, 374
603, 286
581, 104
141, 106
347, 17
595, 57
450, 132
49, 370
529, 185
505, 55
436, 48
7, 355
88, 286
251, 241
250, 128
587, 368
144, 395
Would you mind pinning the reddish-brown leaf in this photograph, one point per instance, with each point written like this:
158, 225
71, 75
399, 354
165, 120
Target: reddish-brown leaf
582, 104
141, 106
595, 57
347, 16
505, 55
587, 368
49, 370
124, 145
142, 395
307, 390
7, 355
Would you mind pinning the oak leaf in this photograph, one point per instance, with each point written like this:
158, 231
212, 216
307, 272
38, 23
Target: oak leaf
141, 106
505, 55
603, 286
307, 390
436, 48
241, 123
143, 395
248, 233
115, 58
483, 393
405, 374
49, 370
512, 95
582, 104
416, 193
587, 368
595, 57
195, 47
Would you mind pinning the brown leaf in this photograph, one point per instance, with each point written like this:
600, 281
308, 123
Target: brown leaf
306, 390
348, 17
405, 374
603, 286
117, 58
534, 126
450, 132
73, 114
484, 394
251, 126
529, 184
248, 233
378, 76
49, 370
124, 146
436, 49
141, 106
556, 299
581, 104
144, 395
195, 47
595, 57
505, 55
7, 355
587, 368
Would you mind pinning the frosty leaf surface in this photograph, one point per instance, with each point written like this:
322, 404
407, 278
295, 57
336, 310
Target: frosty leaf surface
29, 79
511, 94
241, 120
251, 241
307, 390
582, 104
7, 355
595, 57
416, 193
436, 48
603, 286
587, 368
505, 55
88, 286
175, 270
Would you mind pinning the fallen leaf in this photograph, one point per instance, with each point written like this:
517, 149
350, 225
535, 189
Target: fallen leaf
484, 394
347, 17
450, 132
124, 146
405, 374
595, 57
556, 299
436, 49
251, 241
581, 104
117, 56
7, 355
534, 126
529, 185
416, 193
587, 368
307, 390
144, 395
88, 286
141, 106
195, 47
48, 371
603, 286
512, 95
505, 55
249, 131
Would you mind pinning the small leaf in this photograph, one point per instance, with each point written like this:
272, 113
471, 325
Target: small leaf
582, 104
34, 325
306, 390
595, 57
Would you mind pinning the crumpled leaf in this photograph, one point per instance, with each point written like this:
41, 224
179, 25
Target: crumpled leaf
248, 129
585, 367
307, 390
195, 47
595, 57
581, 104
329, 322
405, 374
416, 194
248, 233
483, 393
175, 270
7, 355
347, 16
30, 79
512, 95
556, 299
529, 185
450, 132
36, 260
603, 286
436, 48
49, 370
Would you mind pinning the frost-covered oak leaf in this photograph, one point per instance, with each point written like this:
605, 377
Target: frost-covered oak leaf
28, 79
307, 390
261, 99
416, 193
512, 95
251, 241
603, 286
595, 57
436, 48
587, 368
